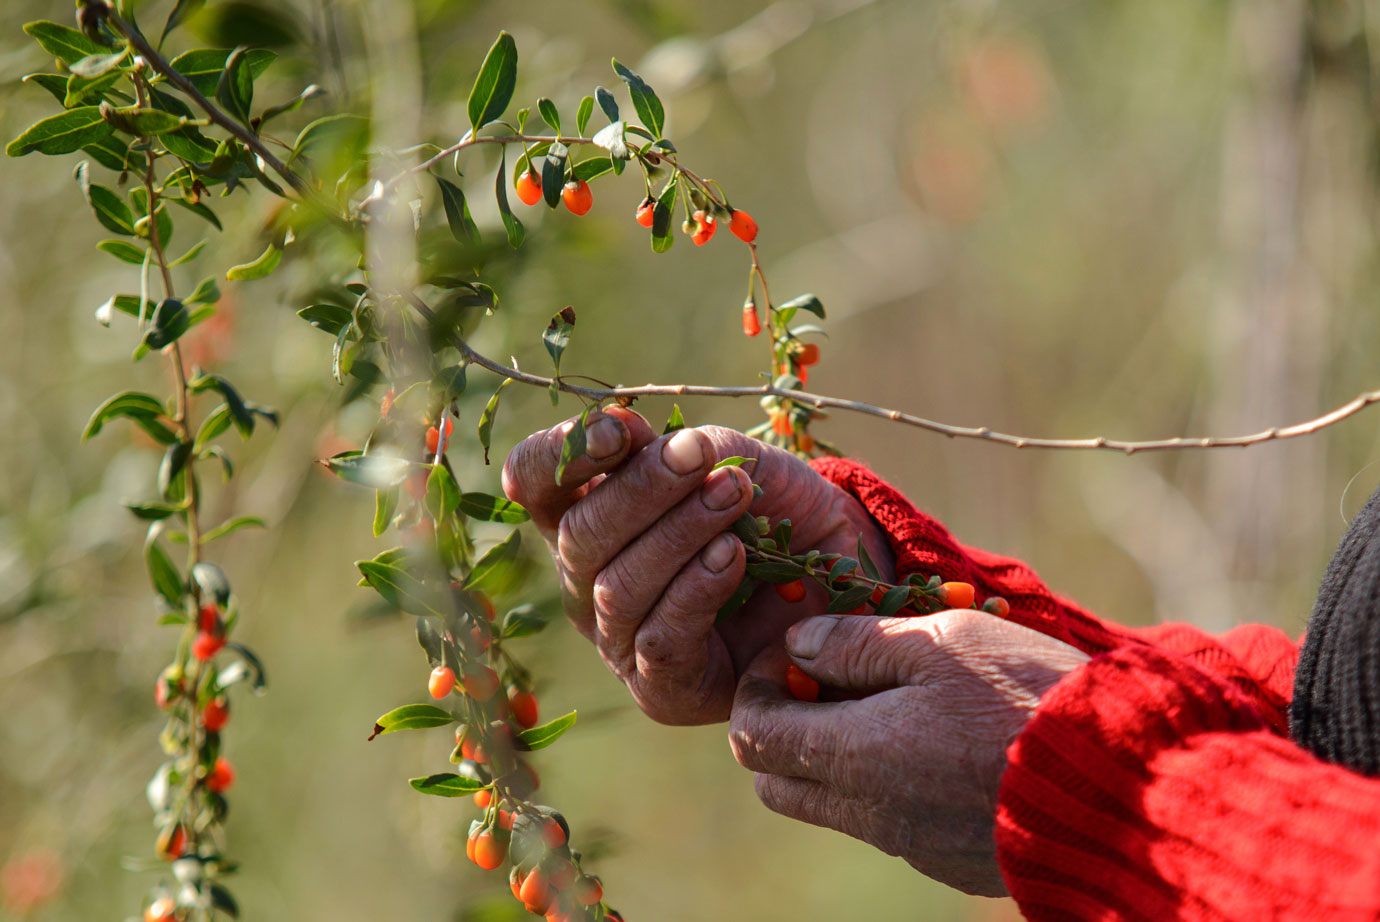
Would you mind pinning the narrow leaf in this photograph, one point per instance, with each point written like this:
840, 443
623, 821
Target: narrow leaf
163, 575
574, 444
203, 66
806, 302
123, 250
385, 506
399, 587
582, 115
377, 471
61, 133
893, 601
411, 717
549, 114
126, 404
63, 42
266, 262
462, 226
849, 599
677, 421
486, 419
495, 560
233, 525
510, 221
442, 493
607, 103
447, 784
493, 88
556, 337
644, 99
542, 736
492, 509
865, 561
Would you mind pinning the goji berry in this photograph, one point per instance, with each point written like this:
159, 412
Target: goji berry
752, 324
577, 196
588, 891
800, 685
552, 832
793, 591
480, 682
162, 909
646, 212
489, 852
998, 606
442, 682
524, 705
742, 225
809, 354
216, 715
956, 595
535, 892
220, 777
528, 187
205, 645
705, 226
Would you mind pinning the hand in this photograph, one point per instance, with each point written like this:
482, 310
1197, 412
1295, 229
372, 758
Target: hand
637, 529
913, 766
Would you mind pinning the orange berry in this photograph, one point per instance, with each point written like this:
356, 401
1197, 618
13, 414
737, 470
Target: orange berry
528, 187
216, 714
793, 591
515, 882
809, 354
208, 619
524, 705
560, 872
489, 852
505, 818
742, 225
469, 847
552, 832
646, 212
434, 440
205, 646
998, 606
781, 423
956, 595
416, 486
386, 404
801, 686
482, 798
577, 196
480, 682
162, 909
172, 843
588, 891
442, 682
705, 225
535, 892
221, 776
752, 324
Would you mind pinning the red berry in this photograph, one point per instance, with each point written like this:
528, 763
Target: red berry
172, 843
742, 225
216, 715
482, 798
524, 705
956, 595
705, 225
552, 832
487, 604
433, 436
386, 404
489, 852
168, 687
998, 606
221, 776
442, 682
793, 591
162, 909
752, 324
781, 423
528, 187
480, 682
577, 196
205, 646
505, 818
646, 212
561, 873
809, 354
801, 686
515, 882
469, 847
208, 619
588, 891
535, 892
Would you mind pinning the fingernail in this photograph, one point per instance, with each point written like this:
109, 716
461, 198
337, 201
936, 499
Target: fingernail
719, 553
683, 452
806, 638
603, 439
721, 490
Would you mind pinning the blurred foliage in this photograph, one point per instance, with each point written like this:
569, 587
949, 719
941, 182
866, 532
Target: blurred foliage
1056, 218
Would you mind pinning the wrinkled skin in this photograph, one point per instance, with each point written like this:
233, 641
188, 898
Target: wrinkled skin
912, 764
645, 562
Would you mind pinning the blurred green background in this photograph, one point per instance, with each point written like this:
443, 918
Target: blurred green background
1056, 218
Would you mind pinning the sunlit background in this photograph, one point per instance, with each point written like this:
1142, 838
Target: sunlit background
1054, 218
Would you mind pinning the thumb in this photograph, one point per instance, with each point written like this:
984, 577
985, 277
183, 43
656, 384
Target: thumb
862, 653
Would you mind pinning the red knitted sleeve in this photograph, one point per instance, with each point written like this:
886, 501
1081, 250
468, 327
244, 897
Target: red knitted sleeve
1145, 788
1259, 661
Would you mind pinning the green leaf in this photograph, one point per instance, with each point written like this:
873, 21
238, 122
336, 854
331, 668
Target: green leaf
556, 337
61, 133
488, 508
542, 736
427, 636
331, 318
848, 599
224, 902
677, 421
893, 601
212, 426
842, 567
342, 130
442, 493
574, 444
163, 575
553, 174
233, 525
148, 122
81, 89
644, 99
266, 262
211, 579
411, 717
493, 88
235, 88
170, 321
199, 209
399, 587
292, 105
607, 103
806, 302
239, 410
180, 12
55, 84
132, 404
152, 512
591, 168
96, 65
139, 205
462, 226
63, 42
495, 560
192, 146
123, 250
486, 419
865, 561
385, 505
549, 114
206, 292
732, 461
377, 471
447, 784
190, 255
110, 209
110, 152
203, 66
739, 598
510, 221
662, 237
775, 571
520, 622
582, 116
451, 382
173, 464
247, 668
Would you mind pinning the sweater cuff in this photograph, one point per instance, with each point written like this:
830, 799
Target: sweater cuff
1145, 788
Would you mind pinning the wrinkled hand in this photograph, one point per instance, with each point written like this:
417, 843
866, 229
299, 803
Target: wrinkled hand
912, 767
637, 530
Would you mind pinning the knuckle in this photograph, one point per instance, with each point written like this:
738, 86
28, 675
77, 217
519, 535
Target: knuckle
575, 537
613, 598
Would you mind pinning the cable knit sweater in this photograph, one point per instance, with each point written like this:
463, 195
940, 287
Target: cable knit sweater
1157, 781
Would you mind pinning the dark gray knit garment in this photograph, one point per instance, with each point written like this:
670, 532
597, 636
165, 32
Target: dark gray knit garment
1336, 708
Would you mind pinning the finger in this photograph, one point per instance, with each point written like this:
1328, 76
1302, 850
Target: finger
529, 473
862, 653
680, 671
604, 521
628, 587
807, 801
